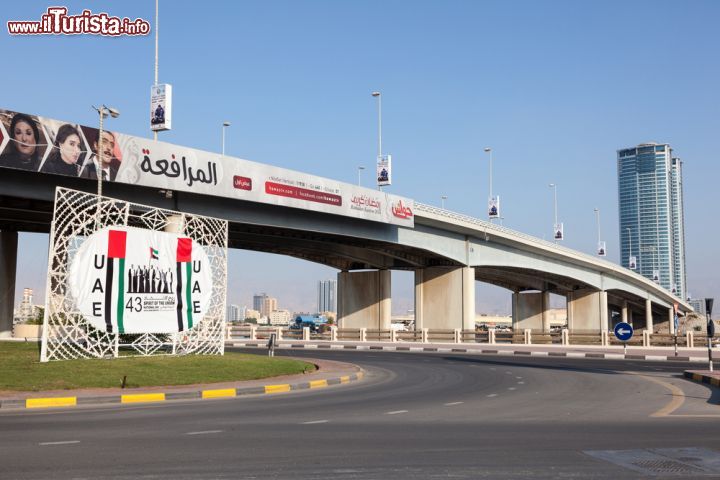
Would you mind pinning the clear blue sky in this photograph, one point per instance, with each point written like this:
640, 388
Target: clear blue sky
554, 87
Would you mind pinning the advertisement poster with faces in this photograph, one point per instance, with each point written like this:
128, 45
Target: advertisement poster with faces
633, 262
602, 249
558, 233
44, 145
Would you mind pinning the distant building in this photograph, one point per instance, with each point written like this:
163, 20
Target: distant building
327, 296
258, 300
269, 305
652, 225
250, 313
25, 310
232, 314
698, 304
280, 317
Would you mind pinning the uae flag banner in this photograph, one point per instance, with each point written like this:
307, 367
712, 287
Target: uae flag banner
131, 280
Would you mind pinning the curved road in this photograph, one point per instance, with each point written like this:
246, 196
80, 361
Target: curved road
414, 416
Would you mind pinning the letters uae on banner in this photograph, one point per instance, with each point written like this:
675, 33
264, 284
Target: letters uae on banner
130, 280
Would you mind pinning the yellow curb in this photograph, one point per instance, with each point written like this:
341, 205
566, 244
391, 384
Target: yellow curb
277, 388
50, 402
318, 384
219, 393
143, 397
345, 379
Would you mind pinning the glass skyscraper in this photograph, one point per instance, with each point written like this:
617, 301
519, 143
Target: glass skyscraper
327, 290
652, 224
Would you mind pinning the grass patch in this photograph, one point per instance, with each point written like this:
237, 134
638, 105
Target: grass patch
21, 370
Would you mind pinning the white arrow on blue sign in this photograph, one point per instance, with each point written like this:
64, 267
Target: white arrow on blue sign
623, 331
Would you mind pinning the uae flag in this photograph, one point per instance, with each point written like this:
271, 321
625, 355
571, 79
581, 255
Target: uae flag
115, 280
184, 284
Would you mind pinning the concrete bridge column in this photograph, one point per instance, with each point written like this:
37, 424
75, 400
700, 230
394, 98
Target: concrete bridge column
648, 316
587, 311
530, 311
671, 319
364, 299
445, 298
8, 266
624, 312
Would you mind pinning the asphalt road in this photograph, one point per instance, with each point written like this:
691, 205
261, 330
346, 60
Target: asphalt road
413, 416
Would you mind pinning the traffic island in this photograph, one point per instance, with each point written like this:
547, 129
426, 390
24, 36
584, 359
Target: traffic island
704, 376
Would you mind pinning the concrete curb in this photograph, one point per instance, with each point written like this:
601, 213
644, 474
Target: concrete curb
56, 402
703, 377
471, 351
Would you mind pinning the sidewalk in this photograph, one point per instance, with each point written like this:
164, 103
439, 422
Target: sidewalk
328, 373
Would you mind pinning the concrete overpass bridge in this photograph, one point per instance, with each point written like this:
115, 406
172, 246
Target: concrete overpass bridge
447, 251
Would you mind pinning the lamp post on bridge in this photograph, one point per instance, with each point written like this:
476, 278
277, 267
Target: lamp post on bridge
359, 169
557, 227
224, 126
103, 111
442, 201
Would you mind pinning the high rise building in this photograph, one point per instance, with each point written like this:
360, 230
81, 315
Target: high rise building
652, 228
327, 291
232, 313
258, 300
269, 305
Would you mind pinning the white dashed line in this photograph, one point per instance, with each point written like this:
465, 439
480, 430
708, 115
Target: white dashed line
493, 395
518, 378
511, 388
204, 432
66, 442
315, 422
396, 412
453, 403
509, 373
521, 383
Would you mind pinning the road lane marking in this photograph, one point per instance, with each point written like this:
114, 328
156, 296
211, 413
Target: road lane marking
676, 402
453, 404
65, 442
492, 395
521, 383
204, 432
518, 378
315, 422
511, 388
396, 412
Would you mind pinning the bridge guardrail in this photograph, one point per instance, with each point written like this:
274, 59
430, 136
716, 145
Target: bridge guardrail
527, 337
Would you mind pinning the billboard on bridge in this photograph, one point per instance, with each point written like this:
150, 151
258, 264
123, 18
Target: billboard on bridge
44, 145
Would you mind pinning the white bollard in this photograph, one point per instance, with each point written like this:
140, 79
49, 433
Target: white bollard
604, 339
393, 335
279, 333
646, 338
458, 335
306, 333
491, 336
253, 332
565, 336
333, 333
363, 334
424, 335
528, 336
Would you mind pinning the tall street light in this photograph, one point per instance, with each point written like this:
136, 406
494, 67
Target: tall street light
600, 248
103, 111
225, 125
379, 103
360, 169
555, 225
490, 199
442, 201
630, 249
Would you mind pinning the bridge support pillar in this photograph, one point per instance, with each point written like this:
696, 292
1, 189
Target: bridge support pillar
445, 298
364, 299
648, 316
587, 311
8, 266
530, 311
624, 312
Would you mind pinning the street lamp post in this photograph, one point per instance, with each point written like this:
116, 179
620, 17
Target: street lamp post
489, 150
629, 246
379, 103
597, 218
554, 187
442, 201
360, 169
103, 111
224, 125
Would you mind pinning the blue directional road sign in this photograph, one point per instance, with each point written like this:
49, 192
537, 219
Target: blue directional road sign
623, 331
